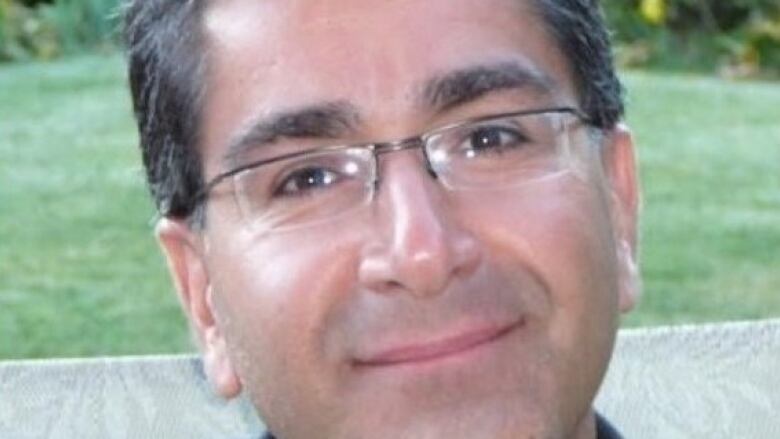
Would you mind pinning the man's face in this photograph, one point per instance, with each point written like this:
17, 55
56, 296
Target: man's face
429, 313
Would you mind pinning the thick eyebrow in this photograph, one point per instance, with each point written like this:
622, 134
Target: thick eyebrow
461, 86
333, 120
328, 120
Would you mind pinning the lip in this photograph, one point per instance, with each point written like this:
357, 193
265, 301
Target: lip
438, 349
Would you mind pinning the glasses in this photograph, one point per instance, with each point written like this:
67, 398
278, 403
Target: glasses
305, 188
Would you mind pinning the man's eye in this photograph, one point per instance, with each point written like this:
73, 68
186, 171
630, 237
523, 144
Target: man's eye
302, 181
492, 140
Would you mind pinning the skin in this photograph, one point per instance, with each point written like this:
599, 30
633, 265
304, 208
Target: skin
292, 318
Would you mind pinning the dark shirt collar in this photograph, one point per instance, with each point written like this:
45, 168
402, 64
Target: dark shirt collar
604, 430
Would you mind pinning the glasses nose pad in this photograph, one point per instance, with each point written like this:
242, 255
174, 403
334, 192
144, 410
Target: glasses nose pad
432, 172
436, 160
422, 144
429, 167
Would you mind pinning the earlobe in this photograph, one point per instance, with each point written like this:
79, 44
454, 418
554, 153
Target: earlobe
185, 256
217, 363
621, 173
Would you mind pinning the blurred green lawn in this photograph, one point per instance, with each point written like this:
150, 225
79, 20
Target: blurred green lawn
80, 274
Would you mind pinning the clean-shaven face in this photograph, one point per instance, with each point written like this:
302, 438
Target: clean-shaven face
429, 312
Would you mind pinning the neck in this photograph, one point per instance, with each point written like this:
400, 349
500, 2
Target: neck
586, 428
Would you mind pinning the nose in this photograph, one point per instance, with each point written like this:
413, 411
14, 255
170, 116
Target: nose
418, 244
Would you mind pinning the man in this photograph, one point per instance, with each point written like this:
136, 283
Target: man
393, 219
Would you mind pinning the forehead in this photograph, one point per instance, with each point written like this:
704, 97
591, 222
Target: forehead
267, 56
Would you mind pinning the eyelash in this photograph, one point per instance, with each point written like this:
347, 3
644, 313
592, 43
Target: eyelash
279, 190
515, 132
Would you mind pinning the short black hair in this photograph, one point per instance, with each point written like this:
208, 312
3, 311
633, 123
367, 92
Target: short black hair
167, 60
580, 30
166, 65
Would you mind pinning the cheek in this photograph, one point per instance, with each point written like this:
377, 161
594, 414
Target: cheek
563, 235
278, 299
295, 276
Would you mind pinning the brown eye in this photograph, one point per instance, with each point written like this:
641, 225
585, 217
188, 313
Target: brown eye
305, 180
492, 139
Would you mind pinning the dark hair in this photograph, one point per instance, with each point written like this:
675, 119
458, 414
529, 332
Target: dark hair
579, 28
166, 63
166, 58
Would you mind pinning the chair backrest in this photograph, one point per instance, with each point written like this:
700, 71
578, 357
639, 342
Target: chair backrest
713, 381
118, 398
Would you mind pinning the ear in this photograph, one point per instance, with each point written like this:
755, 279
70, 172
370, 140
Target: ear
185, 253
621, 173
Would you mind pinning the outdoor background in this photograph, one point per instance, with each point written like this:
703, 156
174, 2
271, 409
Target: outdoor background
80, 274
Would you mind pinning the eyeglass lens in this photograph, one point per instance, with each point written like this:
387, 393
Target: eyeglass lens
310, 188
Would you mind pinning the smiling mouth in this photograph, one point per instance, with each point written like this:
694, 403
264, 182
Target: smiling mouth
460, 344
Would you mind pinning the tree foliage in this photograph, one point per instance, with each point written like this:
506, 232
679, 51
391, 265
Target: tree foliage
35, 29
736, 37
733, 37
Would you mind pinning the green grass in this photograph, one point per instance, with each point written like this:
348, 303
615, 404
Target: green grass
80, 273
710, 164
